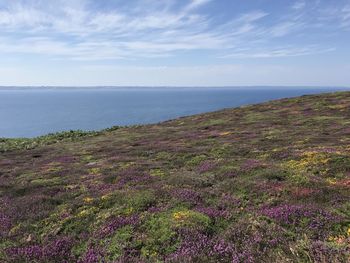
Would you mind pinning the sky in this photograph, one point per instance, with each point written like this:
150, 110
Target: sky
175, 43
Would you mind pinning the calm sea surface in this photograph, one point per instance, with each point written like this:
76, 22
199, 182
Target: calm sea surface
34, 112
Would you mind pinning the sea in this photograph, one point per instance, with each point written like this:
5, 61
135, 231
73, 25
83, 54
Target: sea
35, 111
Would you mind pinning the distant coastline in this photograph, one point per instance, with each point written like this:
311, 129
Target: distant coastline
168, 87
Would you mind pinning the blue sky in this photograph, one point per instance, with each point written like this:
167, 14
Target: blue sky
175, 42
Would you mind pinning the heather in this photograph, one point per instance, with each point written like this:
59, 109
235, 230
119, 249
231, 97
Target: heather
259, 183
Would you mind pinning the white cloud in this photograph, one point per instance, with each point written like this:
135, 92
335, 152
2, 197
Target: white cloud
62, 35
72, 29
285, 28
337, 16
345, 17
279, 52
195, 4
299, 5
251, 16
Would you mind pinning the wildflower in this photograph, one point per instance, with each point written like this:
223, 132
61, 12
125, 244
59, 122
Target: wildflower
206, 166
181, 215
309, 162
94, 171
118, 222
92, 255
87, 212
105, 197
15, 229
83, 213
251, 164
129, 211
337, 239
331, 181
187, 195
88, 200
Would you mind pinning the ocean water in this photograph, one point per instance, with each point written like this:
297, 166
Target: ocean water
33, 112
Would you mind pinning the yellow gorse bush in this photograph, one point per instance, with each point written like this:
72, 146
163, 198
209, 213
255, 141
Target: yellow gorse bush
87, 212
331, 181
181, 215
308, 160
88, 199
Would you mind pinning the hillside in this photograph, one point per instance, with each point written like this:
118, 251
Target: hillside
260, 183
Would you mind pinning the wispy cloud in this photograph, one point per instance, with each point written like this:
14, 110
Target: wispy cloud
279, 52
285, 28
76, 30
345, 16
299, 5
337, 15
195, 4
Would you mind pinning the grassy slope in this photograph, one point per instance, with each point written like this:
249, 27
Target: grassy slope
261, 183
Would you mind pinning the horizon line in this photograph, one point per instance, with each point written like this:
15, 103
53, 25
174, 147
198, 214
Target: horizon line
189, 86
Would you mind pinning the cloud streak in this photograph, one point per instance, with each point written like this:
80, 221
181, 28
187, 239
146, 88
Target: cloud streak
279, 52
299, 5
77, 31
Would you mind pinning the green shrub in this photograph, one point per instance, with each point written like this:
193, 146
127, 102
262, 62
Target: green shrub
160, 236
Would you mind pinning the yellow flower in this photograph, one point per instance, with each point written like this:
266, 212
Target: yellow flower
94, 171
87, 211
105, 197
331, 181
339, 239
309, 159
348, 232
83, 213
181, 215
129, 211
88, 199
15, 229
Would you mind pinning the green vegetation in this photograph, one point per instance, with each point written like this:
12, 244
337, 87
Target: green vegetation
259, 183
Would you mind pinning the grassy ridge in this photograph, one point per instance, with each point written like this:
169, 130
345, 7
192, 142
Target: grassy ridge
7, 144
261, 183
